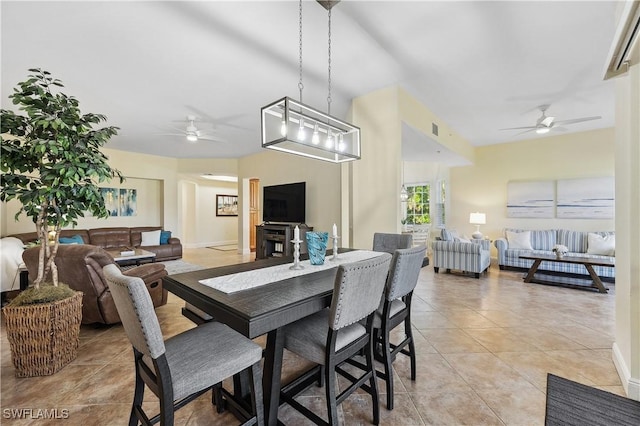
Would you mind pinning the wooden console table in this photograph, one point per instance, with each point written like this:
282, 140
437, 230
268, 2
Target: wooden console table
588, 263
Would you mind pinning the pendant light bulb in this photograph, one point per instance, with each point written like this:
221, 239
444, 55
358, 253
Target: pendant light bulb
301, 133
329, 142
315, 139
283, 128
341, 145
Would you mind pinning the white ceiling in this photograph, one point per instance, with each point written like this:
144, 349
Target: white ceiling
479, 66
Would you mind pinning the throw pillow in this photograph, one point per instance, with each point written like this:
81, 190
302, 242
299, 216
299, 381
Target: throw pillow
604, 246
164, 237
76, 239
519, 240
462, 239
449, 234
151, 238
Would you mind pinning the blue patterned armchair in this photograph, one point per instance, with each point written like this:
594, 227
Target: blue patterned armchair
459, 254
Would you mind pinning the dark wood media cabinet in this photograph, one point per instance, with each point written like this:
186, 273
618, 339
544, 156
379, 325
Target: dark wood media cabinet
274, 240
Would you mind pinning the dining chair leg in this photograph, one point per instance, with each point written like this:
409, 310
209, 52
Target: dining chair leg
373, 383
256, 392
330, 383
216, 397
138, 396
388, 372
412, 346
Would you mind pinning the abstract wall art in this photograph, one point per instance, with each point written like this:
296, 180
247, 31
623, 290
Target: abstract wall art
530, 199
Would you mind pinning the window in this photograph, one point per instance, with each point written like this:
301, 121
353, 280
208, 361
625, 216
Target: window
426, 204
417, 206
439, 203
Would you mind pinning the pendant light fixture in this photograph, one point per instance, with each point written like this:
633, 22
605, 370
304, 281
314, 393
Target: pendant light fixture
404, 195
291, 126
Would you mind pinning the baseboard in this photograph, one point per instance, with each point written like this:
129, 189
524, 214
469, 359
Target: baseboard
630, 384
211, 244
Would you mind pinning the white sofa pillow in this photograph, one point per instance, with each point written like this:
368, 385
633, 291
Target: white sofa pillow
151, 238
519, 240
604, 246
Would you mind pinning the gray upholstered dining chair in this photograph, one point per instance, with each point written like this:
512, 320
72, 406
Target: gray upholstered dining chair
334, 335
391, 242
395, 309
184, 366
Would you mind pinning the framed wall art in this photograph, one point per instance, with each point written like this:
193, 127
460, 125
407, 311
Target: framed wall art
226, 205
533, 199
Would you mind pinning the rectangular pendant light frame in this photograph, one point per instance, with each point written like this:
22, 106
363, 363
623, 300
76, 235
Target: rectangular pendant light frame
281, 130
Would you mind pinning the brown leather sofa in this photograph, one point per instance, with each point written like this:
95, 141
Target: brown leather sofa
118, 238
80, 267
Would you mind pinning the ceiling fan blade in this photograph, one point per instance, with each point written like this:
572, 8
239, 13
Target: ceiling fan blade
520, 128
526, 131
212, 139
559, 129
578, 120
169, 134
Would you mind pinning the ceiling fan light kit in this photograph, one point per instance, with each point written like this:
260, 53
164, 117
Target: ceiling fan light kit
286, 124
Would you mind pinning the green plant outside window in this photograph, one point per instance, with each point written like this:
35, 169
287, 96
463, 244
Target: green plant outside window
417, 212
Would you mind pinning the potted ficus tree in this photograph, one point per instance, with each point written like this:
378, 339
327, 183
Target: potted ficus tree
51, 163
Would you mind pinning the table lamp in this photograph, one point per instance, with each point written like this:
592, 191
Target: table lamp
477, 219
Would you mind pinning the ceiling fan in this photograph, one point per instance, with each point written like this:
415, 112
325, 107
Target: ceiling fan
545, 123
192, 133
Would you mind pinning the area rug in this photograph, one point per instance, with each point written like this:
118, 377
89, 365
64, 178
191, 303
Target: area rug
230, 247
571, 403
179, 266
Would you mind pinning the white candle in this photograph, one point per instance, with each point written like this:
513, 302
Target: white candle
335, 230
296, 233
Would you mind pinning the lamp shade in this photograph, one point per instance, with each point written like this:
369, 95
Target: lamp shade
291, 126
477, 218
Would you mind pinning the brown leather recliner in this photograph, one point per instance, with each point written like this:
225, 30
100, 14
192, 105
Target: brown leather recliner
80, 267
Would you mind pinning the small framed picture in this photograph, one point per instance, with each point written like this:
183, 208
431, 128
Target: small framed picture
226, 205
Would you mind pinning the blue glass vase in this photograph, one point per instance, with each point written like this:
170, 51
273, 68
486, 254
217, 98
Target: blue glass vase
317, 246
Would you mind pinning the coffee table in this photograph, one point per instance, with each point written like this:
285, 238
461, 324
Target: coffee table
588, 263
138, 256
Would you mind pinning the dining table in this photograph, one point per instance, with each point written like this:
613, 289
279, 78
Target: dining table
260, 310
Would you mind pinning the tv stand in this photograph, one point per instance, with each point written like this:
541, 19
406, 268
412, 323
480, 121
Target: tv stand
274, 240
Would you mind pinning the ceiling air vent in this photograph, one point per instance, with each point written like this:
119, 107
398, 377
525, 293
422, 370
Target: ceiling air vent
434, 129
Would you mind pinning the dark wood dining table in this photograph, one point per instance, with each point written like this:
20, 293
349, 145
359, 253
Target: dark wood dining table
261, 310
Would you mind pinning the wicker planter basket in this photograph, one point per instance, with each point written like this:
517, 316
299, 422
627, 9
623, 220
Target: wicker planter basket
43, 337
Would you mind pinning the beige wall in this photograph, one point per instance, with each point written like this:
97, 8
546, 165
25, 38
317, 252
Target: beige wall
200, 225
152, 176
274, 168
483, 185
626, 349
376, 178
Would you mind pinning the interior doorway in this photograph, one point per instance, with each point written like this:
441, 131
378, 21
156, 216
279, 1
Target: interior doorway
254, 211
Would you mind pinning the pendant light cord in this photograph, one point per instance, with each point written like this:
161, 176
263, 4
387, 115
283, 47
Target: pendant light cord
300, 85
329, 63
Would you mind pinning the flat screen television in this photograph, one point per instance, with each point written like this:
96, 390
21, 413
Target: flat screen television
284, 203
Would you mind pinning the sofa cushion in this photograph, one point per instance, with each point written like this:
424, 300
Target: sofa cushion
519, 240
150, 238
601, 245
76, 239
110, 237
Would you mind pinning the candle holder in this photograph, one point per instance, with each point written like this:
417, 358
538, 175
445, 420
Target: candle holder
335, 247
296, 255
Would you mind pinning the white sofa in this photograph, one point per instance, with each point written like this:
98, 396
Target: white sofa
542, 242
11, 249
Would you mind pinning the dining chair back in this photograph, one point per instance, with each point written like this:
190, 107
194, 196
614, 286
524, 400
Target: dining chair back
389, 243
394, 310
185, 366
334, 335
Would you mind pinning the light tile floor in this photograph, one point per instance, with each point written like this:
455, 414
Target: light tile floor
484, 349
